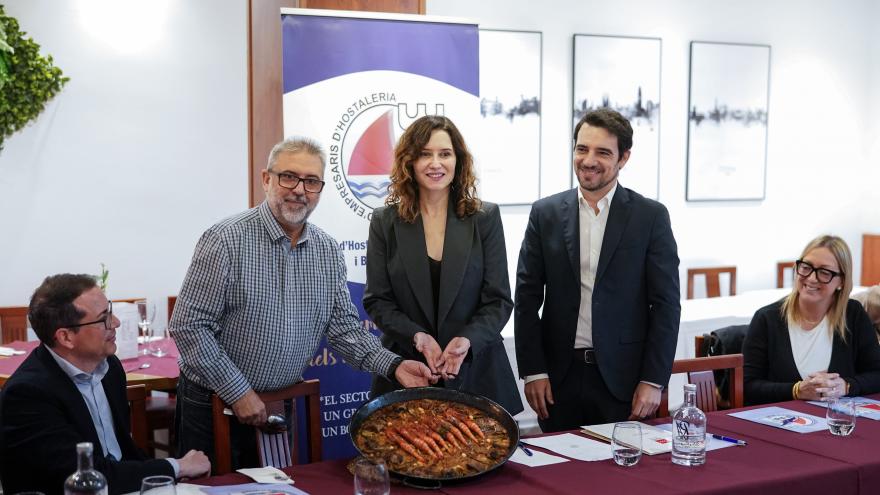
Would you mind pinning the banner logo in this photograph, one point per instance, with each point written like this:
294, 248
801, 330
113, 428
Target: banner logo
362, 148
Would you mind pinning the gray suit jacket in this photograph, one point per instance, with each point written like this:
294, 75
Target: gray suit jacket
636, 306
474, 300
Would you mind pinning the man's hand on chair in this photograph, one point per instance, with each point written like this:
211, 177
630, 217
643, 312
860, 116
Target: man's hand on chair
412, 373
250, 410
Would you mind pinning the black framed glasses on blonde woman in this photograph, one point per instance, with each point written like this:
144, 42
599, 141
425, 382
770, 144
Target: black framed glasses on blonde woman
823, 275
106, 320
291, 181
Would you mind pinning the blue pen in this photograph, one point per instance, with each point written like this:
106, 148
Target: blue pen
525, 449
787, 421
728, 439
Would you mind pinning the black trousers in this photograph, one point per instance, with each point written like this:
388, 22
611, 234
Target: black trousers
582, 398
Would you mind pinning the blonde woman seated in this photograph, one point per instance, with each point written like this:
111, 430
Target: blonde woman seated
816, 343
870, 299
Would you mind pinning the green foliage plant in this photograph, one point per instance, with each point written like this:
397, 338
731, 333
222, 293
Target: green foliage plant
27, 80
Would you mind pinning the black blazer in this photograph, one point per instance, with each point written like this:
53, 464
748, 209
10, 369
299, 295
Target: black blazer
43, 417
474, 300
770, 371
636, 305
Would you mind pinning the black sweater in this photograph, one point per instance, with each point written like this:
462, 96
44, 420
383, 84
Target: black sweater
770, 371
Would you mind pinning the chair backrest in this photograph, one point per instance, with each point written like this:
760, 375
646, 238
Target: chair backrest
870, 259
172, 300
781, 268
13, 324
700, 347
131, 300
713, 280
699, 372
137, 402
310, 390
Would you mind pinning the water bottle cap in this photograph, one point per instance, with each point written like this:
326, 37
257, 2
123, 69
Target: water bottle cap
690, 387
84, 447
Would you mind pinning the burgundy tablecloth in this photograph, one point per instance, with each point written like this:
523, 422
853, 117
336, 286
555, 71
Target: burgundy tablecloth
764, 466
861, 448
165, 366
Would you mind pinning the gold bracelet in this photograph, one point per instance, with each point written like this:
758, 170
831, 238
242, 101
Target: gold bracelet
795, 390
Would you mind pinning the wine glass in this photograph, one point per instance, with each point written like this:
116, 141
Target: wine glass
841, 416
371, 477
146, 313
626, 443
158, 485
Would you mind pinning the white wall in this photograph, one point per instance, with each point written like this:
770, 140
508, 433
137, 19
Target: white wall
143, 149
824, 55
870, 216
147, 144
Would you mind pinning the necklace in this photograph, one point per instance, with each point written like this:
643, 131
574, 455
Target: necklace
811, 322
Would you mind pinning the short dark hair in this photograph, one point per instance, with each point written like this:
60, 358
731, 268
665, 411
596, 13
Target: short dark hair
613, 122
52, 306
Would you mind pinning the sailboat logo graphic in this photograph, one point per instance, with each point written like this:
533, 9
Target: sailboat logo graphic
371, 159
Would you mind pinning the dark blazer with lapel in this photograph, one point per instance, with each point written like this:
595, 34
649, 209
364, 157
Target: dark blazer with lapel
770, 371
635, 307
43, 416
474, 300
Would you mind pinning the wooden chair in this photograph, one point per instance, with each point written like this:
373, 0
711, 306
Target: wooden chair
700, 373
781, 268
13, 324
870, 259
172, 300
159, 412
308, 389
137, 395
713, 280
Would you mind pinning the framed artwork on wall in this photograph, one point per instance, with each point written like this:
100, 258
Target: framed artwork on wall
623, 73
727, 121
507, 152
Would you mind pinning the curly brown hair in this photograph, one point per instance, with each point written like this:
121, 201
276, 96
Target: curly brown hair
404, 190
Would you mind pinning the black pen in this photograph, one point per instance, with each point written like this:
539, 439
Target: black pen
525, 449
728, 439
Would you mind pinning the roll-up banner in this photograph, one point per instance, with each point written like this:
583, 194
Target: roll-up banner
354, 81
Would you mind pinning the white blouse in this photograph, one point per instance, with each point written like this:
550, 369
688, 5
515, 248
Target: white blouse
811, 349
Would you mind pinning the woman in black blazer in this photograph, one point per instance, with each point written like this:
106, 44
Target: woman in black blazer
437, 281
817, 343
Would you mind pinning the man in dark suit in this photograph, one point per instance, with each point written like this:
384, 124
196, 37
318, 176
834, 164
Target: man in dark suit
602, 261
71, 389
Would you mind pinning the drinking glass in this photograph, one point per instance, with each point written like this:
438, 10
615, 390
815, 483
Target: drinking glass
146, 313
626, 443
158, 485
159, 345
371, 477
841, 416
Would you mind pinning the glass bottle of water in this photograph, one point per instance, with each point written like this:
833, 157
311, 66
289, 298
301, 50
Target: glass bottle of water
85, 481
689, 431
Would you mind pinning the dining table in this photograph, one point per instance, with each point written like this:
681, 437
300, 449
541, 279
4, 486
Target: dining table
773, 461
155, 373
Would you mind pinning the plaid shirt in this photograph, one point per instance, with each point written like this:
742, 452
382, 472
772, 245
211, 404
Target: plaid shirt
253, 309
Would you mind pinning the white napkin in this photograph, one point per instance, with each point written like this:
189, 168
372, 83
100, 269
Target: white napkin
267, 474
9, 351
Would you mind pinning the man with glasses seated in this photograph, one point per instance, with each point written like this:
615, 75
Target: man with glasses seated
71, 389
816, 343
264, 287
